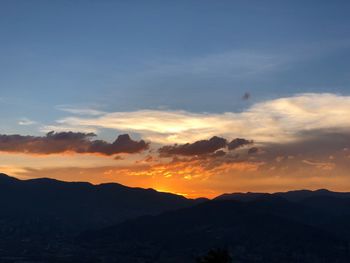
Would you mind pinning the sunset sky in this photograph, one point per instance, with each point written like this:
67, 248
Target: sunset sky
191, 97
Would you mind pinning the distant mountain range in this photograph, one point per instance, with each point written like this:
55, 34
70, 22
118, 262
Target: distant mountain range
293, 196
45, 220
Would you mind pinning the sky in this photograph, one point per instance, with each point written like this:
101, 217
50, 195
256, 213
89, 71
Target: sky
191, 97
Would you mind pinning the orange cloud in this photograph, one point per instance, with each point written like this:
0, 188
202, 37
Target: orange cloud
320, 165
201, 177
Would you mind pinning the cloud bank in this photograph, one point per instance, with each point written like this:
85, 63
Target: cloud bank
196, 148
279, 120
75, 142
203, 147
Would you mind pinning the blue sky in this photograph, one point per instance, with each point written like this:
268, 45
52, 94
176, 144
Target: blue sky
198, 56
171, 73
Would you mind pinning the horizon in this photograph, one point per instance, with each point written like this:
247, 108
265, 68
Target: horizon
192, 98
179, 194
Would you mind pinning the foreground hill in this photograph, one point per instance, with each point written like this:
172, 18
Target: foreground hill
265, 230
82, 204
46, 212
45, 220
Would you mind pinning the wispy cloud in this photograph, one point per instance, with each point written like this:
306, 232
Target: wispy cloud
320, 165
80, 111
26, 121
235, 63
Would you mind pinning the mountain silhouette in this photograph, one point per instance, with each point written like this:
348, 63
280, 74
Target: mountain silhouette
260, 231
80, 204
46, 220
294, 196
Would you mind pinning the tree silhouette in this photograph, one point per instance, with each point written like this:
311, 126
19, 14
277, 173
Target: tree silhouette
216, 256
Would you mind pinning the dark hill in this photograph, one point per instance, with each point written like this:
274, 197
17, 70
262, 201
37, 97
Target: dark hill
45, 220
78, 206
250, 232
294, 196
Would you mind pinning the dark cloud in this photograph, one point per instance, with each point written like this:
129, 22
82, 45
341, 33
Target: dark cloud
69, 142
253, 150
197, 148
246, 96
219, 153
316, 145
213, 147
237, 143
123, 144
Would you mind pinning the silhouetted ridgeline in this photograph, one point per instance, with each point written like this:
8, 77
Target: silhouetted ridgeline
82, 205
45, 220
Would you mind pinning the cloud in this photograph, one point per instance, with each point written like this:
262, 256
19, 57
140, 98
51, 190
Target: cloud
237, 143
204, 147
75, 142
80, 111
197, 148
253, 150
123, 144
246, 96
279, 120
320, 165
26, 121
238, 64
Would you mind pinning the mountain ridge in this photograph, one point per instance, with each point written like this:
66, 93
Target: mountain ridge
294, 195
47, 220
